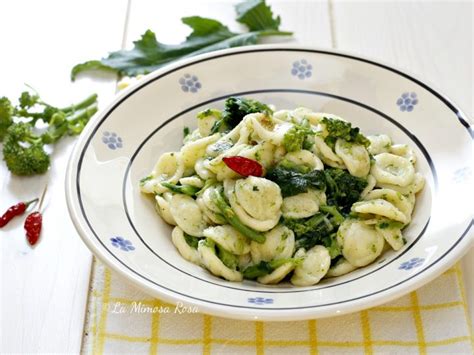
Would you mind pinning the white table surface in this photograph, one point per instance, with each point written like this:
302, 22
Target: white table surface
44, 290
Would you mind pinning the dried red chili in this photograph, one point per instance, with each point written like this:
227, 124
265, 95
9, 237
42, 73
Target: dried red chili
33, 224
244, 166
14, 211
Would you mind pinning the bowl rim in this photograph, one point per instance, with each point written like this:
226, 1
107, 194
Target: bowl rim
413, 282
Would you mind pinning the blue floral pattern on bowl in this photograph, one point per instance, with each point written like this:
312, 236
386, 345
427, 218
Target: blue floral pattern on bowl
407, 101
411, 264
302, 69
122, 243
112, 140
190, 83
462, 175
260, 301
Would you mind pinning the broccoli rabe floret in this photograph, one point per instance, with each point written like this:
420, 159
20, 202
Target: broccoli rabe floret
344, 130
235, 109
295, 137
6, 116
23, 151
23, 148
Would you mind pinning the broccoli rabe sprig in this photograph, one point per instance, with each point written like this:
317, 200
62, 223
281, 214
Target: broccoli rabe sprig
235, 109
317, 230
341, 129
343, 189
24, 142
266, 267
295, 138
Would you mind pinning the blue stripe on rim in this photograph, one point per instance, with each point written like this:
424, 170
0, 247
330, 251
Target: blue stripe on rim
166, 122
455, 110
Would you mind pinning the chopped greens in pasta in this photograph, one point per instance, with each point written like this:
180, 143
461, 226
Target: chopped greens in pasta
288, 196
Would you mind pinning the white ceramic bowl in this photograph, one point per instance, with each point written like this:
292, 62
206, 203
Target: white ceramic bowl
121, 144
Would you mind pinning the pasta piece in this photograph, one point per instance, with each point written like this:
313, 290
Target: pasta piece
163, 208
392, 235
371, 182
325, 153
415, 187
306, 158
267, 128
228, 238
313, 268
382, 208
209, 215
302, 205
257, 201
201, 168
262, 152
187, 214
210, 260
186, 251
244, 261
192, 181
355, 157
192, 151
392, 169
379, 144
279, 244
342, 267
168, 168
361, 244
395, 198
277, 275
404, 151
206, 120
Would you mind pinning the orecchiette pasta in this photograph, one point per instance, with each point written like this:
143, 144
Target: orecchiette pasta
186, 251
393, 169
290, 195
315, 265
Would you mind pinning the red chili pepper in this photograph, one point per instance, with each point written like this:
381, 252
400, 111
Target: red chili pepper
244, 166
15, 210
33, 224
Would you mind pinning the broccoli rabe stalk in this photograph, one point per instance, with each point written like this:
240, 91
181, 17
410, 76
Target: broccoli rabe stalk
191, 241
182, 189
235, 109
233, 220
344, 130
266, 267
6, 116
23, 149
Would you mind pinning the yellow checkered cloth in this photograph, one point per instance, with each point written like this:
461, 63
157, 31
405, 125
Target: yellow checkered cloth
432, 320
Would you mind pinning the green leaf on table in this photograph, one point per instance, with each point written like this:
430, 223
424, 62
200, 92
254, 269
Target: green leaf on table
148, 54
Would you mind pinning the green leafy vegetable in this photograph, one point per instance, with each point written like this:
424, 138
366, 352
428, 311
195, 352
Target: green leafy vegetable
344, 130
293, 182
207, 35
191, 241
182, 189
23, 147
318, 229
234, 221
235, 109
229, 259
186, 132
343, 189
